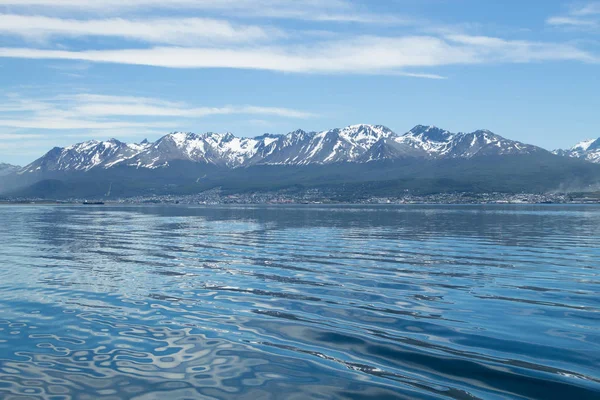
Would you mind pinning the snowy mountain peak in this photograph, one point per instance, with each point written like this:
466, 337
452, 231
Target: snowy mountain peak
586, 145
588, 150
368, 133
179, 138
298, 133
429, 133
228, 137
82, 145
374, 129
215, 136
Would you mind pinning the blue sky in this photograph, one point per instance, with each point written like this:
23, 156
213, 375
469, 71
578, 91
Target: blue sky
73, 70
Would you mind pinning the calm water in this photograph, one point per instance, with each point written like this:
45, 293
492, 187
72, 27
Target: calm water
299, 302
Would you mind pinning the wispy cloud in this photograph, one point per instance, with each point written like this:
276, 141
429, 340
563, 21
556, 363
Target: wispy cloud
341, 11
585, 17
218, 43
179, 31
572, 21
361, 55
103, 106
9, 136
588, 9
497, 50
165, 4
31, 125
102, 112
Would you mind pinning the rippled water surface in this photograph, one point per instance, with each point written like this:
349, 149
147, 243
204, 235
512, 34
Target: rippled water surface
299, 302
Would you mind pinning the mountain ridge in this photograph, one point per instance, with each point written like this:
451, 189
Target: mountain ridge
359, 159
354, 143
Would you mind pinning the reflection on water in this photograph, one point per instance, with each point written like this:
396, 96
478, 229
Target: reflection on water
300, 302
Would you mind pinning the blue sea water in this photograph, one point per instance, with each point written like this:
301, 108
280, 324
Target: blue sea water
298, 302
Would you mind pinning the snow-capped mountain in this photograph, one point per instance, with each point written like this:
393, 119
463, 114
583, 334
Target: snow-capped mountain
85, 156
355, 143
7, 169
210, 148
588, 150
439, 143
335, 145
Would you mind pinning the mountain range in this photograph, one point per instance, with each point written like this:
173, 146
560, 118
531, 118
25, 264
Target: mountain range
425, 158
357, 143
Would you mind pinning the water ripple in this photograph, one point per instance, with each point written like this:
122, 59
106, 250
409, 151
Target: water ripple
341, 302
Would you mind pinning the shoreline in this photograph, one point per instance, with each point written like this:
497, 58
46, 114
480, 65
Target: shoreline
132, 203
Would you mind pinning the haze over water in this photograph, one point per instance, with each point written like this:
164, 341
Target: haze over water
295, 302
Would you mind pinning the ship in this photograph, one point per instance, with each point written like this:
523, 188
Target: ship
98, 203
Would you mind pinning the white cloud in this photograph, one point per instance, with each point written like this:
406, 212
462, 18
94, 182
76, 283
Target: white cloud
521, 51
180, 31
586, 17
363, 55
103, 106
67, 123
327, 16
194, 4
147, 110
342, 11
571, 21
217, 43
102, 112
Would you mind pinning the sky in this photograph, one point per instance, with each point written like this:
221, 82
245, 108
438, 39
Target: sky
75, 70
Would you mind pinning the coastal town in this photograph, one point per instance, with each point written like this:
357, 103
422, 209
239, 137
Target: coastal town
318, 196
